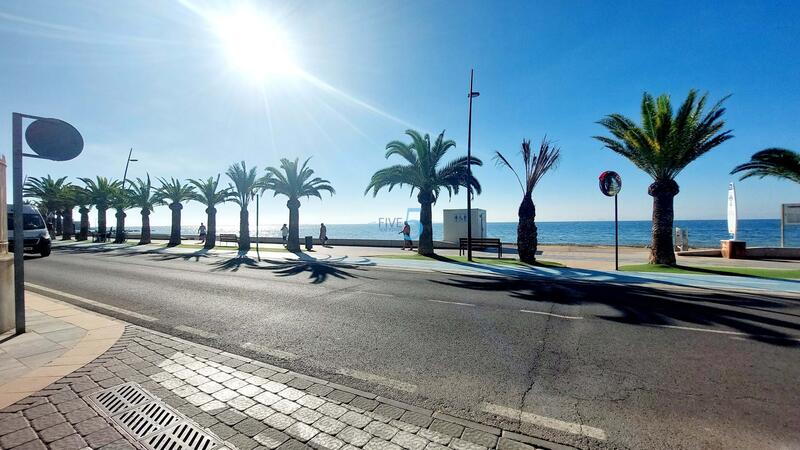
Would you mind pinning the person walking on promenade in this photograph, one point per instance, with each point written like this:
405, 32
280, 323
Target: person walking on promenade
284, 234
406, 232
323, 234
201, 232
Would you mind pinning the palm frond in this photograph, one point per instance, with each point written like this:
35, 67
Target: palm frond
771, 162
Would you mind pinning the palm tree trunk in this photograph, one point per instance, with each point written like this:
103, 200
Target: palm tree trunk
293, 244
425, 246
69, 225
211, 231
244, 230
120, 233
663, 193
144, 236
175, 232
527, 233
84, 231
59, 224
101, 220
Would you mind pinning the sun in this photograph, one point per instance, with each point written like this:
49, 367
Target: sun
255, 46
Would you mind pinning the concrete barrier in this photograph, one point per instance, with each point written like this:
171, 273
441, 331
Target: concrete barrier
389, 243
751, 253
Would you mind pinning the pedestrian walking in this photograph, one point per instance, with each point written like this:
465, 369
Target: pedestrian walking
201, 232
406, 232
285, 235
323, 234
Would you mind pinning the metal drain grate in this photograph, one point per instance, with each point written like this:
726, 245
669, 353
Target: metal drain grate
147, 419
120, 398
182, 437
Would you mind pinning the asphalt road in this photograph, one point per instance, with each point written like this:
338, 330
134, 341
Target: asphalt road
592, 365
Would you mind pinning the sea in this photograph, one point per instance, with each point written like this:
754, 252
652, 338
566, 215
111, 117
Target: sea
702, 233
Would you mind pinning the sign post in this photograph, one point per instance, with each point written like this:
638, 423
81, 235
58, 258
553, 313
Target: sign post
733, 213
610, 185
51, 139
790, 215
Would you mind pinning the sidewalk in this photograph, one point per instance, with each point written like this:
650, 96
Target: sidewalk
230, 400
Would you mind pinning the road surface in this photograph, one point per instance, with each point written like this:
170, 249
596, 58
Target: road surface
587, 364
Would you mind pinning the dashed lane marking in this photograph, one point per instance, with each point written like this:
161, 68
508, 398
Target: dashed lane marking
551, 314
196, 331
377, 379
280, 354
451, 303
546, 422
59, 295
379, 294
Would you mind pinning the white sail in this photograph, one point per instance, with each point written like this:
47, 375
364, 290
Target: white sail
733, 216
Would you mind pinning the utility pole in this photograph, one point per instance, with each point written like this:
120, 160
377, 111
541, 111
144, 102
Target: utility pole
472, 94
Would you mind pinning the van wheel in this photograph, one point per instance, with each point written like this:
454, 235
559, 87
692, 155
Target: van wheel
46, 252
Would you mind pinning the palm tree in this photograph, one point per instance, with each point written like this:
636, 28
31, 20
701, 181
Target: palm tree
51, 193
100, 192
772, 162
69, 201
662, 147
84, 204
142, 195
120, 200
536, 166
245, 185
294, 183
173, 193
423, 174
209, 194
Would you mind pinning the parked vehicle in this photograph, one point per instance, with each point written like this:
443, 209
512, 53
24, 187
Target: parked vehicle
36, 238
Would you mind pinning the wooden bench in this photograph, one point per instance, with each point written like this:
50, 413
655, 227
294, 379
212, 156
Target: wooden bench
480, 243
229, 238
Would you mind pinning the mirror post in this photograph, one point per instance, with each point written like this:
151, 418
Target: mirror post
616, 235
19, 237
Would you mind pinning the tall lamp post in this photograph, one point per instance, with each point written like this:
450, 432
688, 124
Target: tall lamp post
127, 163
472, 94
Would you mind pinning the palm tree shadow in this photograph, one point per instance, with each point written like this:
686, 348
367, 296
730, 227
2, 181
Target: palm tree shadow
319, 270
655, 306
202, 253
233, 264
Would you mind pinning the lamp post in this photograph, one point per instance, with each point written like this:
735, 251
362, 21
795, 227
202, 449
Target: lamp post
127, 163
472, 94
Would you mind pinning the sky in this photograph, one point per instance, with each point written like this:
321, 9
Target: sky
175, 81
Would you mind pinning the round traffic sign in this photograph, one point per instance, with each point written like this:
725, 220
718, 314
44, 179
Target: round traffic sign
610, 183
54, 139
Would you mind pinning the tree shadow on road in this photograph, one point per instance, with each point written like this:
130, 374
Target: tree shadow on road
158, 256
758, 315
318, 270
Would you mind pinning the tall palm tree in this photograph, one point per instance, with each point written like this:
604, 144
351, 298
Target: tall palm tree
50, 193
209, 194
120, 200
143, 196
423, 174
772, 162
245, 185
173, 193
295, 183
536, 166
662, 147
69, 201
84, 204
100, 191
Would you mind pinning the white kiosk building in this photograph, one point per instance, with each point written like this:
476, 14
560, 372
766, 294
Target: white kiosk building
455, 224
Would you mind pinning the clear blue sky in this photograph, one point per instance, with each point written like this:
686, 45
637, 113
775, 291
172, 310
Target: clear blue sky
156, 76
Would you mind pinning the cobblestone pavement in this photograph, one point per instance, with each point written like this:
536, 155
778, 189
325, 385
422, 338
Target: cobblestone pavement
246, 403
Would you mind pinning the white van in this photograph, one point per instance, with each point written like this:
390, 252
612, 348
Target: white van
37, 239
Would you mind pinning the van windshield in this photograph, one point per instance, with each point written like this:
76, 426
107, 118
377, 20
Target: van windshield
29, 222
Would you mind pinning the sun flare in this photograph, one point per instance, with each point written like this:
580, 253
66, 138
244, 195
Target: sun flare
256, 46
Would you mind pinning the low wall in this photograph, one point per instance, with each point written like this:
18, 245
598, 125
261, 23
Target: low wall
752, 253
390, 243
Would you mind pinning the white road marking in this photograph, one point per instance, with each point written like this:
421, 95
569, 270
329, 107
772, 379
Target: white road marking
196, 331
452, 303
377, 379
45, 290
551, 314
280, 354
736, 334
375, 293
546, 422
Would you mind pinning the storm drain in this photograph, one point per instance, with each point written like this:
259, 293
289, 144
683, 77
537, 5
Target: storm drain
150, 422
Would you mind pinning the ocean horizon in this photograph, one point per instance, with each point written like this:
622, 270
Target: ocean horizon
702, 233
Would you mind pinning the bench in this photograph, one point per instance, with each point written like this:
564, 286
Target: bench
480, 243
229, 238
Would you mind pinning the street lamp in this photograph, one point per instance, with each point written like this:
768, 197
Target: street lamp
472, 94
127, 163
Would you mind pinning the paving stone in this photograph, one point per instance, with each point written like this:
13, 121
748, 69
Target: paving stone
39, 411
329, 425
250, 427
435, 436
363, 403
285, 406
380, 444
16, 438
264, 372
231, 417
443, 426
293, 444
205, 420
70, 442
282, 377
479, 437
259, 411
241, 403
435, 446
355, 419
213, 407
332, 410
62, 397
307, 416
381, 430
31, 445
199, 398
56, 432
279, 421
210, 387
311, 401
510, 444
301, 431
267, 398
300, 383
271, 438
235, 383
354, 436
324, 441
102, 437
121, 444
460, 444
225, 395
215, 374
89, 426
319, 389
12, 423
242, 442
404, 426
250, 390
274, 386
291, 393
186, 390
409, 441
340, 396
415, 418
